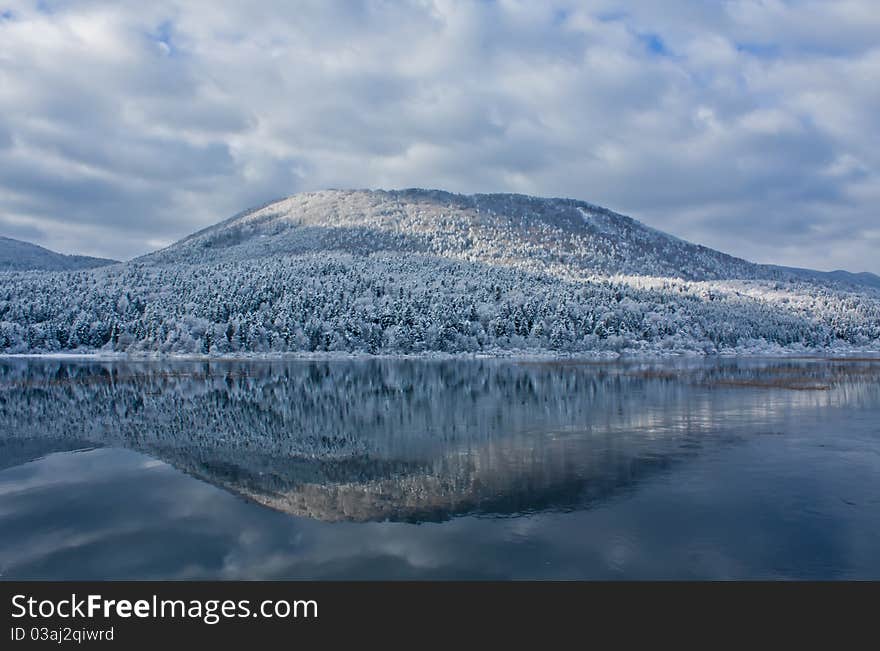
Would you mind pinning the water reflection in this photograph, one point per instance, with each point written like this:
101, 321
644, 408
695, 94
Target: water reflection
416, 442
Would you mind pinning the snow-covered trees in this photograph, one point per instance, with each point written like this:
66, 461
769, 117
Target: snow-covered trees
388, 303
418, 271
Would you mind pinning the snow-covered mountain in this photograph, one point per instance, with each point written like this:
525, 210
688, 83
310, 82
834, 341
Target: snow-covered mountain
565, 236
862, 279
16, 255
417, 271
537, 234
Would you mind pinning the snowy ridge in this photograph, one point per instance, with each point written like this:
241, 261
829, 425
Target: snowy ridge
426, 271
16, 255
501, 229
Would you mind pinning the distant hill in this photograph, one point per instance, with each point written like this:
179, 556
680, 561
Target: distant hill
16, 255
426, 271
864, 279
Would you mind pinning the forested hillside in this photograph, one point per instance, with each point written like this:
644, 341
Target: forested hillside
423, 271
16, 255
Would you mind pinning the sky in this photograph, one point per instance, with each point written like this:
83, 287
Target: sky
751, 126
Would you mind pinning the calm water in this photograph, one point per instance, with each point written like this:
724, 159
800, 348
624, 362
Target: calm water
435, 470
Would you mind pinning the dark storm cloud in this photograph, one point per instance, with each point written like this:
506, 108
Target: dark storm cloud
743, 125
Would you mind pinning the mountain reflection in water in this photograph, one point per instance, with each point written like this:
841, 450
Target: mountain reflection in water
418, 441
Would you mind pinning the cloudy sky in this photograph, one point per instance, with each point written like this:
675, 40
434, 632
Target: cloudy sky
750, 126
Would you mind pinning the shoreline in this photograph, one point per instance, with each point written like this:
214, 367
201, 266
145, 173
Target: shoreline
829, 354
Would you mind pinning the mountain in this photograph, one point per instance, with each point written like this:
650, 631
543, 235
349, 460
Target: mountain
564, 236
501, 229
424, 271
863, 279
16, 255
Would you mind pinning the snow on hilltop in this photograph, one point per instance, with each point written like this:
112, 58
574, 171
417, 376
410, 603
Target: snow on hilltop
564, 236
16, 255
418, 271
533, 233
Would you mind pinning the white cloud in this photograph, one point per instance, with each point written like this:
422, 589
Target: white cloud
742, 125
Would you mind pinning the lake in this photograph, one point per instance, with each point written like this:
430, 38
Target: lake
407, 469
